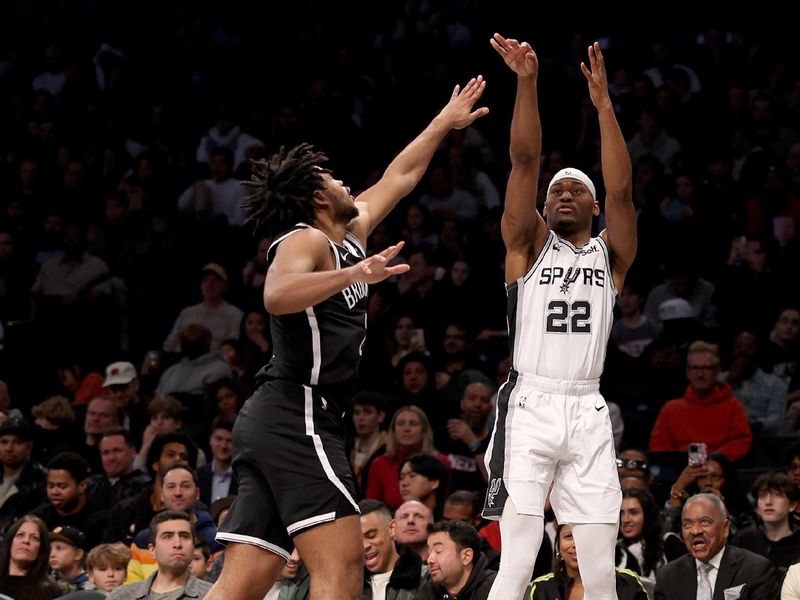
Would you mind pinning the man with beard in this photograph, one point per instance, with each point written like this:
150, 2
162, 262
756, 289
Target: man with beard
295, 483
711, 563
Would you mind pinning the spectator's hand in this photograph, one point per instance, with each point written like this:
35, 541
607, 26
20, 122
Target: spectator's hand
442, 379
520, 58
689, 475
148, 436
259, 340
459, 430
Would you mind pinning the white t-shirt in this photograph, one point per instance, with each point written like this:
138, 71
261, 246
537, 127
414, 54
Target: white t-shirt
379, 582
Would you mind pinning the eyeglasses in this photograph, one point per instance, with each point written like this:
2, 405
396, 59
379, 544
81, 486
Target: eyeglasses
793, 466
701, 368
631, 464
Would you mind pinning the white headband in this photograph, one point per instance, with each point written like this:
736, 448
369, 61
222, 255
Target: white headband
572, 173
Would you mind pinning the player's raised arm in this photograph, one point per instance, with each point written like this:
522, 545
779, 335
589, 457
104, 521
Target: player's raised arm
620, 232
408, 167
523, 228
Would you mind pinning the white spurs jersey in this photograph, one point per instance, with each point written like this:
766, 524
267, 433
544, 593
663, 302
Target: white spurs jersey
560, 313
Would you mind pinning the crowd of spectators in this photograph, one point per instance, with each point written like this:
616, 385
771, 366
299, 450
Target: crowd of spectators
132, 323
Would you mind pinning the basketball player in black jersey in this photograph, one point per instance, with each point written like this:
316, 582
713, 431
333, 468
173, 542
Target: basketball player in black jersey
295, 484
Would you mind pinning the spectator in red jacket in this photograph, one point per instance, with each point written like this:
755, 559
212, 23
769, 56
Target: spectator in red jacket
707, 412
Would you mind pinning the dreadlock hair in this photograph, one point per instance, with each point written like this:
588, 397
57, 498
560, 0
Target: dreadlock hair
283, 185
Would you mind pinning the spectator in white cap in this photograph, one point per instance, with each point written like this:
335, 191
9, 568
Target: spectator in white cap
122, 383
221, 318
683, 282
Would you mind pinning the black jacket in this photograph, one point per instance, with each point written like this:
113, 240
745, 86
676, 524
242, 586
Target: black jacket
128, 517
477, 586
103, 493
31, 491
783, 553
408, 576
678, 580
629, 587
91, 520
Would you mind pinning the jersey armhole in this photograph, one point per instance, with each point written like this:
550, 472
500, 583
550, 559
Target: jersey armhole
551, 236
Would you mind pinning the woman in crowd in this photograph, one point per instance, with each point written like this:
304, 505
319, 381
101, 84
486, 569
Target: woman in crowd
719, 477
641, 532
565, 581
24, 561
409, 433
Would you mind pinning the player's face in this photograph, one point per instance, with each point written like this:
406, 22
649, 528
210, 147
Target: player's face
569, 207
342, 201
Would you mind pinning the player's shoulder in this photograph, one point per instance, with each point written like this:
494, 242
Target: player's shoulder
301, 235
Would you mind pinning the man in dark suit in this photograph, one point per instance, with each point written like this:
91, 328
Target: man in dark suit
216, 479
713, 570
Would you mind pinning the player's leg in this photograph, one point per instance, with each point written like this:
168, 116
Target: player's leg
587, 495
521, 536
595, 543
258, 544
333, 553
317, 502
247, 573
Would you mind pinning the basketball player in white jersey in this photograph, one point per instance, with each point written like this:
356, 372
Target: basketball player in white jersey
552, 423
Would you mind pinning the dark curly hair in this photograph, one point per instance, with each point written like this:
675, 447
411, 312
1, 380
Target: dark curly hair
282, 187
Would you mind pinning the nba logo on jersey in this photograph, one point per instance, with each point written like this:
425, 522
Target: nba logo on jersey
494, 487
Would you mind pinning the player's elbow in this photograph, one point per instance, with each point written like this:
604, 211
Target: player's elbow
275, 302
523, 158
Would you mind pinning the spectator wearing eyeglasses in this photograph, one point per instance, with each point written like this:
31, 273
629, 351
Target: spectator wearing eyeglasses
632, 462
707, 412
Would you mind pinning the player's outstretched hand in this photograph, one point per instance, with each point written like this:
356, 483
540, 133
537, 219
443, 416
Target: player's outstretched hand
596, 76
519, 57
375, 269
458, 111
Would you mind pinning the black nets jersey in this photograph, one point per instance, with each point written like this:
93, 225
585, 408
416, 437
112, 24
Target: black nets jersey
322, 345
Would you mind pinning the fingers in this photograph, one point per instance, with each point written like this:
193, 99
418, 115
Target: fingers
476, 114
503, 45
398, 269
455, 92
392, 251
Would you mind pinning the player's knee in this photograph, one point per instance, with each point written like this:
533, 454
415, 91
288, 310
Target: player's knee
517, 564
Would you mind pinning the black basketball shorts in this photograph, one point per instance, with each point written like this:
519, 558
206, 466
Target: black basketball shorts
291, 465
